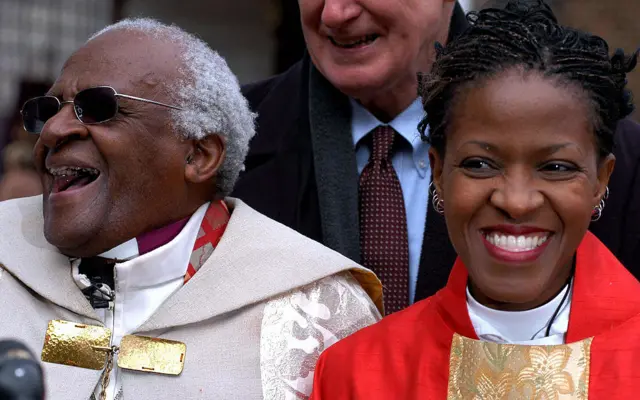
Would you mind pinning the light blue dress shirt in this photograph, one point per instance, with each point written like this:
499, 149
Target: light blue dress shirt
411, 163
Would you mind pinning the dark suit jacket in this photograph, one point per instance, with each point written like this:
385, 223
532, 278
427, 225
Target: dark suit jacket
619, 227
301, 171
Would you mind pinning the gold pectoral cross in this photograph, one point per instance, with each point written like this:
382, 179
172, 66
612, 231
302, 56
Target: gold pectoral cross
89, 346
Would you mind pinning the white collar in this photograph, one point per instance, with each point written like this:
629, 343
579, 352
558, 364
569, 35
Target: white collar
519, 327
406, 124
167, 262
125, 251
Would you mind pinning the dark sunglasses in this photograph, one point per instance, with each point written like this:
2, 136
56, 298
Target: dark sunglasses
92, 106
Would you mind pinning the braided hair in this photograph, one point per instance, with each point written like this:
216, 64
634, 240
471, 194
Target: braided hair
525, 34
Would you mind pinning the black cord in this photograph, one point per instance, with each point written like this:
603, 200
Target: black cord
564, 298
97, 298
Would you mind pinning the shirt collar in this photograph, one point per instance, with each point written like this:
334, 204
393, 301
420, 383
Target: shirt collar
167, 262
406, 124
125, 251
519, 326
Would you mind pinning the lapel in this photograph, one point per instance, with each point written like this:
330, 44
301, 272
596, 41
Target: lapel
437, 256
279, 179
26, 254
256, 259
605, 294
335, 165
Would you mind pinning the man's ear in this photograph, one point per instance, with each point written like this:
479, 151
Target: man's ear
205, 158
437, 165
605, 169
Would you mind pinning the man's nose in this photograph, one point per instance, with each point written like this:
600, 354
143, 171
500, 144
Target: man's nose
62, 127
335, 13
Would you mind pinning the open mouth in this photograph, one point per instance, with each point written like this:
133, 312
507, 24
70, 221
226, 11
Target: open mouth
516, 243
70, 178
353, 43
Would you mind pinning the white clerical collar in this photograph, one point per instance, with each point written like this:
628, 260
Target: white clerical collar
145, 242
126, 251
521, 327
165, 263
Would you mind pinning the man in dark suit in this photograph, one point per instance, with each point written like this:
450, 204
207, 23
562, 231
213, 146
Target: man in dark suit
319, 163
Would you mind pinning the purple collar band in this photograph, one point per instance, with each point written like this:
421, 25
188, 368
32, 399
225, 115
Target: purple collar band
150, 241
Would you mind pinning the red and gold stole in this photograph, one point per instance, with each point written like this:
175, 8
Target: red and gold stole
431, 351
211, 230
598, 360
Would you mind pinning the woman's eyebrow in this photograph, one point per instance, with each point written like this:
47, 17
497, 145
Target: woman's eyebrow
550, 149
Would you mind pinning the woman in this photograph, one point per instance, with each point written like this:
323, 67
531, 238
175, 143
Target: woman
521, 115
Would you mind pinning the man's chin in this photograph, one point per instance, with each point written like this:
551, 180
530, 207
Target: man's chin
359, 87
72, 231
69, 243
357, 80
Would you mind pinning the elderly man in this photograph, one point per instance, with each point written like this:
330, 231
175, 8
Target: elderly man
130, 274
338, 156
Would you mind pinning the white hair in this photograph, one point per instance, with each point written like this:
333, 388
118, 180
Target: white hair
208, 93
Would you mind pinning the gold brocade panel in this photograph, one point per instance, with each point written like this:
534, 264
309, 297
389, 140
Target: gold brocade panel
492, 371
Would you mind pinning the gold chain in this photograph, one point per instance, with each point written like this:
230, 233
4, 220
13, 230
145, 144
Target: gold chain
111, 351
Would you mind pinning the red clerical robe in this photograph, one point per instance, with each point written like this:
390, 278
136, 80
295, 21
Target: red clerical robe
431, 351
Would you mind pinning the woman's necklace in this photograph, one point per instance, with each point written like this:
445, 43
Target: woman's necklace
559, 308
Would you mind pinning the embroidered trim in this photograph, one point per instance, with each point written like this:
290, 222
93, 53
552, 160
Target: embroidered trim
484, 370
300, 325
211, 230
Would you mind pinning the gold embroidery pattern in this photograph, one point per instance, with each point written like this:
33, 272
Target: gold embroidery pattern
298, 326
492, 371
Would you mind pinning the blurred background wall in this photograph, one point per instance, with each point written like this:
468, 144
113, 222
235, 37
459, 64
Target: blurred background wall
614, 20
240, 30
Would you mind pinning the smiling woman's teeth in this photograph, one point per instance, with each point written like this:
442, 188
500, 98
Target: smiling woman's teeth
516, 243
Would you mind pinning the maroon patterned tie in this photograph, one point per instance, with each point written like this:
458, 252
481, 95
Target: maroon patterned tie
383, 222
